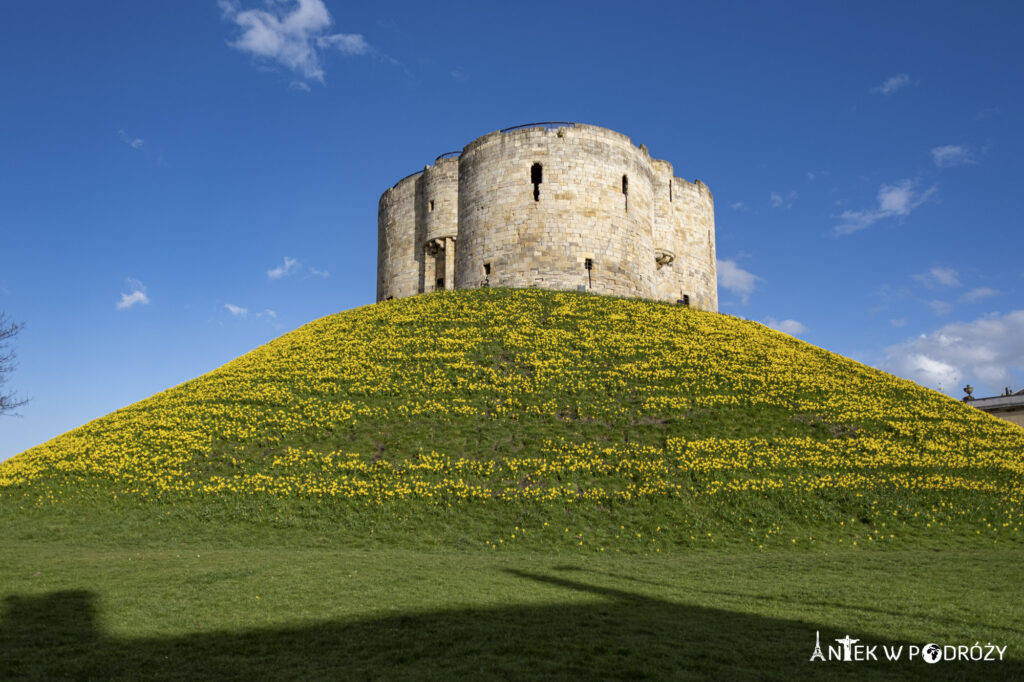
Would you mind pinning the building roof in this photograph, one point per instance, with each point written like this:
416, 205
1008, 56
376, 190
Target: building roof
999, 402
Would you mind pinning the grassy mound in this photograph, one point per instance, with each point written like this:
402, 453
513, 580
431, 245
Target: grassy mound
543, 420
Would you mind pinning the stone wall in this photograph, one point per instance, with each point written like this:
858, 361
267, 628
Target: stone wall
695, 268
439, 207
580, 211
1016, 417
604, 217
399, 243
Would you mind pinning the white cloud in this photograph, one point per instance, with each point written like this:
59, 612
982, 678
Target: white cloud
291, 33
143, 147
136, 295
133, 142
289, 266
319, 273
893, 200
128, 300
736, 279
947, 277
791, 327
737, 206
892, 84
899, 199
898, 322
346, 43
940, 307
268, 315
984, 351
778, 201
952, 155
979, 293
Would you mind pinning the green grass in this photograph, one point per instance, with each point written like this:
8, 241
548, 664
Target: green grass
458, 419
186, 609
515, 485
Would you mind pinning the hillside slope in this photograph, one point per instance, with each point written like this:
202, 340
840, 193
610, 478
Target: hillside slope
526, 417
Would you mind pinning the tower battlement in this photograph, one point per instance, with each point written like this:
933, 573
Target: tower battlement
551, 205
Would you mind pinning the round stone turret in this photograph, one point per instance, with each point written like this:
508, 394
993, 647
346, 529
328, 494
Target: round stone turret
557, 206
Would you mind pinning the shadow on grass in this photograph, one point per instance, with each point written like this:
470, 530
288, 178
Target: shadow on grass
617, 635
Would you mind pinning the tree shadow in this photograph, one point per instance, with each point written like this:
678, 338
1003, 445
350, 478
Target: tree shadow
616, 635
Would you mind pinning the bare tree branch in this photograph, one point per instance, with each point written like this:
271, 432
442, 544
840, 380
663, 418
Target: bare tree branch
9, 401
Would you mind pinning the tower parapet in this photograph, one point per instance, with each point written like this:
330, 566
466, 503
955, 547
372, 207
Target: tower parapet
558, 206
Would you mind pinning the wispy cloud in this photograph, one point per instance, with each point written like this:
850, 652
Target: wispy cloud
940, 307
946, 277
983, 351
352, 44
319, 273
893, 200
953, 155
267, 315
979, 293
136, 295
131, 141
735, 279
898, 322
143, 147
791, 327
291, 33
289, 266
892, 84
779, 201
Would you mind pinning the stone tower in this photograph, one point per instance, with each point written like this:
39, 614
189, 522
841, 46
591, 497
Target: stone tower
551, 205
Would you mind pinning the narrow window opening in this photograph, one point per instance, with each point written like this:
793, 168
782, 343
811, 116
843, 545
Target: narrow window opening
431, 205
440, 283
487, 268
536, 177
670, 190
589, 265
625, 190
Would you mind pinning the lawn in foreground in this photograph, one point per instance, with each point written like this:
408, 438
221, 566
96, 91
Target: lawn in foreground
181, 609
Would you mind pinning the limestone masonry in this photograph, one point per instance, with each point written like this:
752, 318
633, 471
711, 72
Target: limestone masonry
551, 205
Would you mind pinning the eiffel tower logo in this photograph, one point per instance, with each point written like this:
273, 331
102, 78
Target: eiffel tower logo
817, 655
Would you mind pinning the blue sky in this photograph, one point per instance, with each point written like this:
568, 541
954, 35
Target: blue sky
181, 182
